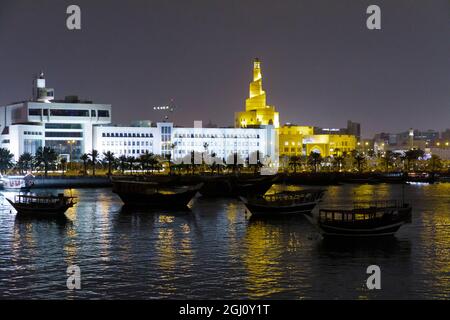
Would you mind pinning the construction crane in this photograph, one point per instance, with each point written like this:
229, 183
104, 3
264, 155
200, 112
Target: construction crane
167, 109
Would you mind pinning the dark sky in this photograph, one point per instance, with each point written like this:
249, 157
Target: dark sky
321, 65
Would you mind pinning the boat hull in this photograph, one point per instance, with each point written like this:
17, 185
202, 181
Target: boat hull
386, 226
262, 210
39, 212
157, 201
257, 186
153, 196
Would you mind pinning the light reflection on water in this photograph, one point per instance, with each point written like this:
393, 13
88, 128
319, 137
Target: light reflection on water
218, 251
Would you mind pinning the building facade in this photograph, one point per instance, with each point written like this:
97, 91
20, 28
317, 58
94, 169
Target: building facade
66, 126
180, 142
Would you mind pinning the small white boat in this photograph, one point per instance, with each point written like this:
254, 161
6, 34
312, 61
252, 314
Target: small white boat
17, 182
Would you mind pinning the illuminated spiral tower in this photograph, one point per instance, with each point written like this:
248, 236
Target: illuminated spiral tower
257, 112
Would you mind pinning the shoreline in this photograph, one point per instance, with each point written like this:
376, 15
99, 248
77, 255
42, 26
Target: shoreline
303, 178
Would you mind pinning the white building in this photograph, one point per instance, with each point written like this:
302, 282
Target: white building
179, 142
66, 126
73, 127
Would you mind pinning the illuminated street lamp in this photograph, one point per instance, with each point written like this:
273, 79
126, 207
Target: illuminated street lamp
71, 143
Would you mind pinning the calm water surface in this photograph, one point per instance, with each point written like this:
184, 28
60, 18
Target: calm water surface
216, 251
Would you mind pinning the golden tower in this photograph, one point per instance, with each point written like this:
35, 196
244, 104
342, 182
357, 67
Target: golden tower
256, 111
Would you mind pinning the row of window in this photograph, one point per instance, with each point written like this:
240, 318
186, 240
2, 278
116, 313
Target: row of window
56, 134
32, 133
224, 143
231, 136
243, 152
166, 130
63, 126
131, 151
125, 135
126, 143
68, 113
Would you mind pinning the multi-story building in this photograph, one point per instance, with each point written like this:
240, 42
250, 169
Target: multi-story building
329, 144
291, 138
179, 142
67, 126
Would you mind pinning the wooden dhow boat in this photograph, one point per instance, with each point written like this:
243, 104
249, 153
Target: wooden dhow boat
283, 203
365, 219
42, 205
151, 195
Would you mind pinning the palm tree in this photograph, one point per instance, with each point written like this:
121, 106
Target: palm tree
131, 160
359, 160
63, 162
295, 161
25, 162
110, 158
315, 159
412, 156
388, 160
434, 163
6, 158
122, 163
338, 160
94, 158
153, 163
84, 157
46, 156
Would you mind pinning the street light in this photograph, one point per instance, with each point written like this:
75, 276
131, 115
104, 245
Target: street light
71, 143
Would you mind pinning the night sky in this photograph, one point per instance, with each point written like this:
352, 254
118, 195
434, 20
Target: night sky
321, 65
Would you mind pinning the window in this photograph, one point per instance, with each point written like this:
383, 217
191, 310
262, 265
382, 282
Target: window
64, 134
103, 113
34, 112
63, 126
93, 113
69, 113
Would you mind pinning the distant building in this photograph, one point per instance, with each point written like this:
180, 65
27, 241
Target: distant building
354, 128
445, 135
257, 112
411, 139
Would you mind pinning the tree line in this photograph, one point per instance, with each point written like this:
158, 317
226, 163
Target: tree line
46, 159
411, 160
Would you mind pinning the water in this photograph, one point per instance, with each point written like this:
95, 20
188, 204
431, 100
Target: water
216, 252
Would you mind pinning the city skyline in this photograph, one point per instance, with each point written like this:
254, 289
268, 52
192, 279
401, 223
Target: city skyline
189, 53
